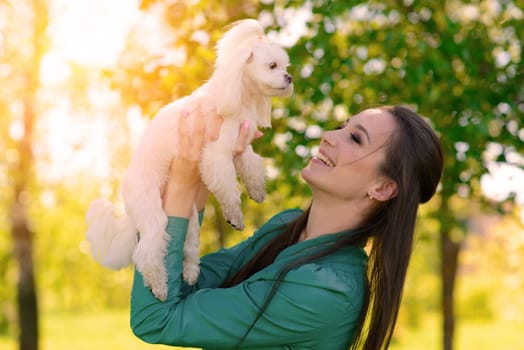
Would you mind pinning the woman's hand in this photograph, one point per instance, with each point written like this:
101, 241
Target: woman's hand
185, 185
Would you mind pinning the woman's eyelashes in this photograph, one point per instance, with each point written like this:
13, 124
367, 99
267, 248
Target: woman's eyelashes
355, 138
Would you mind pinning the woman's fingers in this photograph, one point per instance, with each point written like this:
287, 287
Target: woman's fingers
243, 138
191, 135
258, 134
194, 133
184, 134
198, 136
213, 129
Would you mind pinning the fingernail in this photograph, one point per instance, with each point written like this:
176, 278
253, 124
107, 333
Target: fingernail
245, 124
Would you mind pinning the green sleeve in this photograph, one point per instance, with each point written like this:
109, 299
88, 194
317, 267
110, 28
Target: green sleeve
217, 266
219, 317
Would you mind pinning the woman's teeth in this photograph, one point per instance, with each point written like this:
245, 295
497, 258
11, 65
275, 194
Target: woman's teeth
325, 159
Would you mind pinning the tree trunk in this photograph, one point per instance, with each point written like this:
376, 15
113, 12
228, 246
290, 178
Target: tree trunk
22, 235
27, 72
26, 297
449, 250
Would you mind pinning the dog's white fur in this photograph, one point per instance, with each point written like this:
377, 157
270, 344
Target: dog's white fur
249, 70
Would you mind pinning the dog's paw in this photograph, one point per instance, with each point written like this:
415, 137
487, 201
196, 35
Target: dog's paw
235, 219
258, 195
190, 273
159, 290
154, 279
157, 285
153, 271
236, 226
255, 187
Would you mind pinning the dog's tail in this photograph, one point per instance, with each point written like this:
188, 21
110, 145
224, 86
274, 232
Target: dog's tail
113, 239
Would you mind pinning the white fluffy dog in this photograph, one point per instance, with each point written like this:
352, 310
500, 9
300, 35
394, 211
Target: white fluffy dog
249, 70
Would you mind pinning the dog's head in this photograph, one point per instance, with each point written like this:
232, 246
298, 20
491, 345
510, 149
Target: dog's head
249, 68
266, 70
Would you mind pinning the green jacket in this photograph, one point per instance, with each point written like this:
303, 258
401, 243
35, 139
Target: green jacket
317, 305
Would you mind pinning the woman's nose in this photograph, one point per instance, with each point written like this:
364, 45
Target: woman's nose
328, 138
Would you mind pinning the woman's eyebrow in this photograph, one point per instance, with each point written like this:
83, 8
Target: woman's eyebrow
363, 129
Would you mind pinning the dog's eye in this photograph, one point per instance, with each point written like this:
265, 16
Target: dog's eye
272, 65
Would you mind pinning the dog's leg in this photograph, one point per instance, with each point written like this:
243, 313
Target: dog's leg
145, 208
192, 249
218, 173
250, 168
150, 252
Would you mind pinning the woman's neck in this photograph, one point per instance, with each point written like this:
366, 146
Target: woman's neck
332, 216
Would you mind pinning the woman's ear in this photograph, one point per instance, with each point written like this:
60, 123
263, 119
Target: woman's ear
384, 190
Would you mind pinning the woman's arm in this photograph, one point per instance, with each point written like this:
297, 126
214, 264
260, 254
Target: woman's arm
185, 186
306, 304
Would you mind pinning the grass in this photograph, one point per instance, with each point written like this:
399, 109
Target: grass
106, 330
469, 334
109, 330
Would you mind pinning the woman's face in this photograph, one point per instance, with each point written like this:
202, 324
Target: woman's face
348, 161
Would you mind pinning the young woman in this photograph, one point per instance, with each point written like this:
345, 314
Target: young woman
303, 280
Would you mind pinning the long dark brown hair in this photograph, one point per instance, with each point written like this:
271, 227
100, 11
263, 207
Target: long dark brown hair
414, 161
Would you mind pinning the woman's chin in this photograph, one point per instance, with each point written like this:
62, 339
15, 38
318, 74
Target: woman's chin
306, 174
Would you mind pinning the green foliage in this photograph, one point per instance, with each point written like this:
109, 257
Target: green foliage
424, 55
477, 305
62, 259
359, 54
193, 29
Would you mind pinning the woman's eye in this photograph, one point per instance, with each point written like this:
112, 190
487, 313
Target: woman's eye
355, 138
272, 65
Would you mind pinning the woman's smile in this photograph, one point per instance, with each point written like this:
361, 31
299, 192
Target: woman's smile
323, 159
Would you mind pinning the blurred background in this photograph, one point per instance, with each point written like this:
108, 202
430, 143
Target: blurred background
81, 79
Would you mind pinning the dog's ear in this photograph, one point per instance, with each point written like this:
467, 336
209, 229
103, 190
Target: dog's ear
226, 82
233, 52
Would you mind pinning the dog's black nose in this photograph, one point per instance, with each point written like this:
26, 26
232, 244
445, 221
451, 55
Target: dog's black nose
288, 78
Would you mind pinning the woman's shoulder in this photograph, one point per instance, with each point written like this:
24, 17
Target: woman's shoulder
285, 216
343, 271
279, 220
272, 227
342, 284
